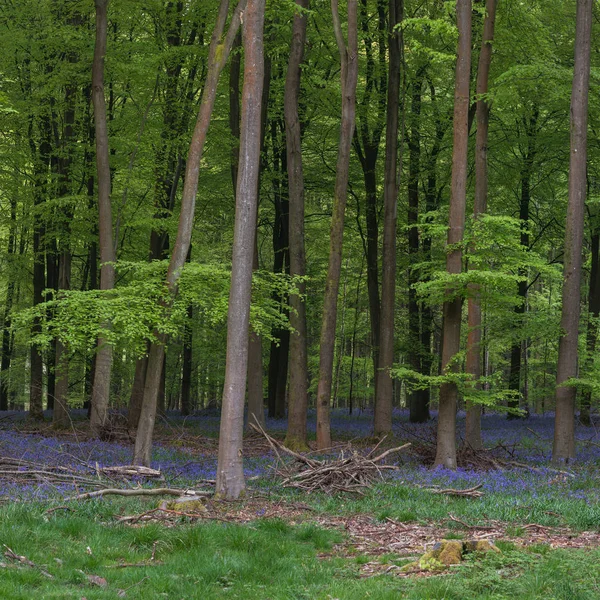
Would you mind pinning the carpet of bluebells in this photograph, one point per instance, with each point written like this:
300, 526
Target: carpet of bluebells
528, 441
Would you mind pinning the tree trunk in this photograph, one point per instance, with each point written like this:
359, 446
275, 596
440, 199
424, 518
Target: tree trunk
104, 356
593, 313
417, 399
563, 449
256, 411
382, 422
278, 358
230, 476
7, 319
446, 432
516, 351
349, 74
220, 47
298, 390
473, 425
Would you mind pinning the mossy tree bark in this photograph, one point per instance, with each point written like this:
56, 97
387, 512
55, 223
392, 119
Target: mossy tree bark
349, 74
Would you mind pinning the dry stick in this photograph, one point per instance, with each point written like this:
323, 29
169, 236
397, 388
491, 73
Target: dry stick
471, 492
483, 527
138, 492
390, 451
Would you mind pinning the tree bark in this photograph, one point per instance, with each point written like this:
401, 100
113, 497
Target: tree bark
473, 437
220, 47
516, 351
349, 74
563, 449
7, 347
593, 313
367, 141
104, 356
382, 422
418, 398
298, 390
446, 431
186, 366
230, 476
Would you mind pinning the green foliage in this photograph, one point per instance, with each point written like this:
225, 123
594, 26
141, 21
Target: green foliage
140, 308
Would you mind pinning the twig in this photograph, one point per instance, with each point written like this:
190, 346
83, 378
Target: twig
483, 527
51, 510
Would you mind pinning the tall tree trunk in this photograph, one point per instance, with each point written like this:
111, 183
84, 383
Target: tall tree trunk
220, 47
473, 425
382, 423
370, 123
230, 476
104, 356
563, 449
593, 313
256, 410
256, 413
349, 74
418, 399
298, 390
42, 160
446, 431
516, 351
7, 319
279, 354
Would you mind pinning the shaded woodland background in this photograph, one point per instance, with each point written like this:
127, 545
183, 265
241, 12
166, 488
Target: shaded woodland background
155, 70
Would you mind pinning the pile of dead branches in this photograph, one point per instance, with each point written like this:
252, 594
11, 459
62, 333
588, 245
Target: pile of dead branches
350, 472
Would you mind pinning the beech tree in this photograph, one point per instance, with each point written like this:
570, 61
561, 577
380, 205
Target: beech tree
298, 388
384, 388
230, 476
349, 75
482, 115
446, 430
104, 356
563, 449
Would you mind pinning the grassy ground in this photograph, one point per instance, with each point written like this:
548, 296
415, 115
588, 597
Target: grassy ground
264, 559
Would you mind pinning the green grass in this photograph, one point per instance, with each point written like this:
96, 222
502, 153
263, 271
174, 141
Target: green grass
408, 503
265, 559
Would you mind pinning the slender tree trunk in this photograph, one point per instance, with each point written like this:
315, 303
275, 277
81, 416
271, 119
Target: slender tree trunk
230, 476
256, 410
473, 425
298, 390
220, 47
446, 432
563, 449
418, 399
516, 351
349, 74
593, 313
7, 319
104, 356
186, 366
383, 400
36, 385
279, 355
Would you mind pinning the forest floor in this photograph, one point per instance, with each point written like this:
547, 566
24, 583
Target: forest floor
285, 543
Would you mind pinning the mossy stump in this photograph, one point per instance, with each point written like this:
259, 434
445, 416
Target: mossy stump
447, 553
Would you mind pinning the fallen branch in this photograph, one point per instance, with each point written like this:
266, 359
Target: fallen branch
469, 493
138, 492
